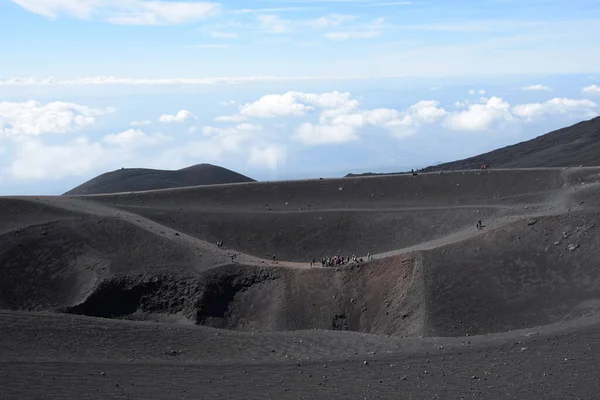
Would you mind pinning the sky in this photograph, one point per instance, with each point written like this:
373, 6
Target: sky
286, 89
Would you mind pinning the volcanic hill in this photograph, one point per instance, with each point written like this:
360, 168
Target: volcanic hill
575, 145
140, 179
128, 295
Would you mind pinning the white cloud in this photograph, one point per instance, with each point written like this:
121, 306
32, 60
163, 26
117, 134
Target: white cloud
480, 117
273, 24
345, 35
240, 129
422, 112
124, 12
181, 116
473, 91
53, 8
331, 20
228, 139
267, 10
374, 117
111, 80
249, 127
340, 116
270, 156
276, 105
426, 111
490, 112
231, 118
315, 134
535, 88
556, 106
217, 144
223, 35
296, 104
242, 142
436, 88
227, 103
140, 123
399, 123
341, 121
36, 161
33, 119
135, 138
594, 89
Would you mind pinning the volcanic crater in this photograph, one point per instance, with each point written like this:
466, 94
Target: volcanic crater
151, 255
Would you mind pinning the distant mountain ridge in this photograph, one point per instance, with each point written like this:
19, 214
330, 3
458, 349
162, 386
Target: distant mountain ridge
572, 146
140, 179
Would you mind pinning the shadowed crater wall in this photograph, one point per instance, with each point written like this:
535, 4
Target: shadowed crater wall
472, 287
381, 298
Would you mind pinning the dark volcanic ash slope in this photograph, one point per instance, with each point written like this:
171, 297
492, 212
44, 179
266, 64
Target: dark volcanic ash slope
383, 298
54, 252
299, 221
100, 257
522, 276
59, 263
140, 179
96, 256
567, 147
532, 272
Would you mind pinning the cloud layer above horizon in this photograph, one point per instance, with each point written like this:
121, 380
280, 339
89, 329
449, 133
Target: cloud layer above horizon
282, 89
260, 134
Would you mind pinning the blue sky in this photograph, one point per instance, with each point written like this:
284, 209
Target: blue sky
283, 89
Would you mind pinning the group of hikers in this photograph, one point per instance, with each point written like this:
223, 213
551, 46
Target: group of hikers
338, 260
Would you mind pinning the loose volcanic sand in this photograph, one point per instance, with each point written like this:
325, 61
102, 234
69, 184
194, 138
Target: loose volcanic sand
128, 296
